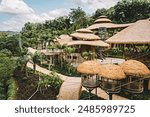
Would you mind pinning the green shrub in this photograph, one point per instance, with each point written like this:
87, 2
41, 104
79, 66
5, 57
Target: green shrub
51, 80
12, 89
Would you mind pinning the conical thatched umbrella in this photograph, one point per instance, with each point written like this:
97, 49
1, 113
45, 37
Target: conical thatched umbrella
135, 72
89, 71
111, 76
89, 67
103, 21
137, 33
85, 34
112, 71
135, 68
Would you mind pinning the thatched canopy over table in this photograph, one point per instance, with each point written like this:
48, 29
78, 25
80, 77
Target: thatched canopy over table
89, 71
111, 76
135, 72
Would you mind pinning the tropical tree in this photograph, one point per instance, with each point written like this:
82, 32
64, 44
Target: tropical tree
78, 18
100, 12
35, 57
131, 10
22, 61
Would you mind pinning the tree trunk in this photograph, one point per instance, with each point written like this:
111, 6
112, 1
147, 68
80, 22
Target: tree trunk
34, 67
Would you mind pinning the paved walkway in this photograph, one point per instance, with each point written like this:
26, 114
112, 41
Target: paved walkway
71, 87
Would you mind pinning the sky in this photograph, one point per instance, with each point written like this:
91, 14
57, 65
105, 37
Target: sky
15, 13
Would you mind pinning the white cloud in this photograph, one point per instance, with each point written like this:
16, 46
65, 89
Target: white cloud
17, 21
23, 13
96, 4
15, 7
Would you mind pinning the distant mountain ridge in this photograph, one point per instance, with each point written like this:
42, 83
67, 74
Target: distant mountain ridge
10, 32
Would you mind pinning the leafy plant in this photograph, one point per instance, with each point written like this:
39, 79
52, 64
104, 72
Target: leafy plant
12, 89
51, 80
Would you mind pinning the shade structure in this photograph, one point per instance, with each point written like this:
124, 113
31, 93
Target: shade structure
111, 76
111, 71
135, 68
91, 43
137, 33
89, 71
85, 34
89, 67
103, 21
135, 72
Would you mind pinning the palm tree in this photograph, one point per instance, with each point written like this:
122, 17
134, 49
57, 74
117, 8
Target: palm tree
61, 47
35, 59
23, 60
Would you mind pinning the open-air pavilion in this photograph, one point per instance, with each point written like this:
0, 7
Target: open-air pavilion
133, 38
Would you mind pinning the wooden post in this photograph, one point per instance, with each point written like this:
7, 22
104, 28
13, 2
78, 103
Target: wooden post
149, 85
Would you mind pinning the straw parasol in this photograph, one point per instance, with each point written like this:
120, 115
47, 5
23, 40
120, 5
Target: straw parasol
89, 67
85, 34
135, 68
137, 33
91, 43
111, 71
103, 21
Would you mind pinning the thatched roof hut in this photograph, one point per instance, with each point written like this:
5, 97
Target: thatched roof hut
111, 71
89, 67
135, 68
137, 33
64, 39
103, 21
85, 34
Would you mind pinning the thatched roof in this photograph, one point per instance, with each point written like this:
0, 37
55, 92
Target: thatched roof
135, 68
89, 67
84, 30
111, 71
137, 33
64, 39
91, 43
85, 34
103, 21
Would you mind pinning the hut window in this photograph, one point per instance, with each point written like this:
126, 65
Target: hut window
74, 57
